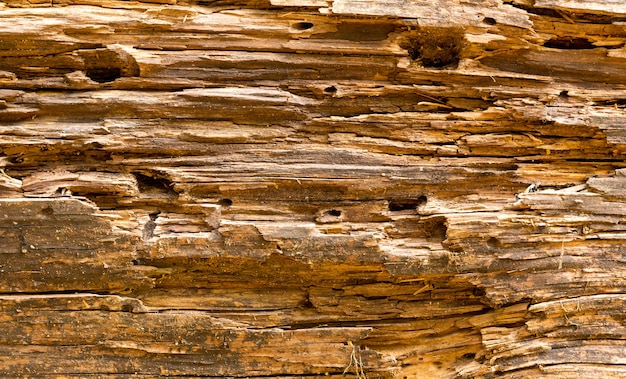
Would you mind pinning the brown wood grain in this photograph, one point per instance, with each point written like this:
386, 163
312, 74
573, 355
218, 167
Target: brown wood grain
312, 188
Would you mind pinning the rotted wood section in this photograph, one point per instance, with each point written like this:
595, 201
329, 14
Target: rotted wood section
308, 188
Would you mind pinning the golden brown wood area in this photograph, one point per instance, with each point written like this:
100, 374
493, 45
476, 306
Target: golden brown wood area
313, 188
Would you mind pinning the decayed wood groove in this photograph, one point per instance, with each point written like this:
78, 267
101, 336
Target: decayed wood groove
306, 188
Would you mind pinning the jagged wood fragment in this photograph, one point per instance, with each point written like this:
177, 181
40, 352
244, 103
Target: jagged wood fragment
312, 188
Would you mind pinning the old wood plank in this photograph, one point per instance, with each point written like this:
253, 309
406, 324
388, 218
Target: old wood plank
312, 188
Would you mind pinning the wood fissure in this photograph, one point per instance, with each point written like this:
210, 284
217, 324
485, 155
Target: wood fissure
307, 188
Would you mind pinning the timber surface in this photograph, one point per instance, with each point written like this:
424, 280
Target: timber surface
307, 188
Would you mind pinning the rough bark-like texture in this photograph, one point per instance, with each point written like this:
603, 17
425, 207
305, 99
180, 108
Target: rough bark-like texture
304, 188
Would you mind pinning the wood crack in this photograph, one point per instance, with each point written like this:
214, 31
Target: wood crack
308, 188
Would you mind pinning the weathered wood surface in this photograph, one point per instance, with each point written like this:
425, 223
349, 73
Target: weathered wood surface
305, 188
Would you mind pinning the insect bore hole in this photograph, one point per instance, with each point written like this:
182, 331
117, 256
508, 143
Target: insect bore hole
225, 203
330, 90
407, 204
333, 212
303, 25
